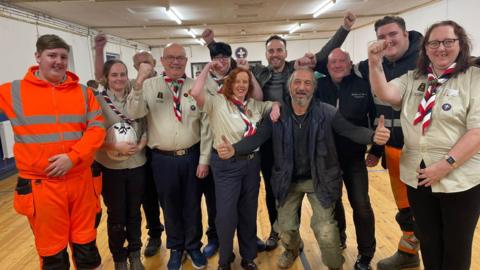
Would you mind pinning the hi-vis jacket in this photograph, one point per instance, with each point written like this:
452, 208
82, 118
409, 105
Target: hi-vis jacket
52, 119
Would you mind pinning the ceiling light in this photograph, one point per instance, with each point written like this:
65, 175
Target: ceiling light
200, 41
294, 28
173, 15
324, 7
191, 33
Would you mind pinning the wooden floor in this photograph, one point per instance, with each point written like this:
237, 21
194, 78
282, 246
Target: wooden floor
17, 249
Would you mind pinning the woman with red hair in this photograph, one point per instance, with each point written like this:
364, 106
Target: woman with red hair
233, 115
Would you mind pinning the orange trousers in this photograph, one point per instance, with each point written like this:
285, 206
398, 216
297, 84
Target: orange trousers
60, 211
408, 243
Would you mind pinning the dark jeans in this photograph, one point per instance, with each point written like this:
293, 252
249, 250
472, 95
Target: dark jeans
266, 167
150, 202
446, 224
207, 186
179, 189
122, 194
236, 188
355, 177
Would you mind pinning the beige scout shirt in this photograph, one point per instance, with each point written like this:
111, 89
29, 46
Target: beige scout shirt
211, 86
134, 161
165, 132
456, 110
225, 117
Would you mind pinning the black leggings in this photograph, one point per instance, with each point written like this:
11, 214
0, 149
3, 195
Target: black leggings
446, 223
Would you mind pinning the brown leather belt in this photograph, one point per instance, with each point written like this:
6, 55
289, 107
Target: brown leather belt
178, 153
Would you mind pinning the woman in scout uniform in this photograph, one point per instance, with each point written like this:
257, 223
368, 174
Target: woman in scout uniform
122, 162
441, 124
233, 114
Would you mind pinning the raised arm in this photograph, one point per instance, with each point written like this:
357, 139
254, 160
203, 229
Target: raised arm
136, 104
100, 42
197, 91
321, 57
385, 91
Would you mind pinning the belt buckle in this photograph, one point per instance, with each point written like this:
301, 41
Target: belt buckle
181, 152
250, 156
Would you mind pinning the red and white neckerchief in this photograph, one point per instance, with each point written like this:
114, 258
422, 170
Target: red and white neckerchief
175, 86
219, 81
424, 113
110, 104
250, 128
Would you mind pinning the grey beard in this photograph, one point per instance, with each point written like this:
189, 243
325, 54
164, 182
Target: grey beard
304, 102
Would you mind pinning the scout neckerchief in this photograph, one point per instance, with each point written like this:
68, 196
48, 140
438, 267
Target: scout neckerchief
424, 113
241, 106
114, 108
175, 86
219, 81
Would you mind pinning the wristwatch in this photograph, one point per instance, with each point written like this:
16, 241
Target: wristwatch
451, 160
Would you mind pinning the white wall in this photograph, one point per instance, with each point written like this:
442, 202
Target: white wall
18, 47
18, 41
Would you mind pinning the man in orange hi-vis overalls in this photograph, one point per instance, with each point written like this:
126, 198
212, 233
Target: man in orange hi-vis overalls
58, 126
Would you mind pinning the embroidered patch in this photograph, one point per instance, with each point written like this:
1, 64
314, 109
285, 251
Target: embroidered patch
446, 107
421, 87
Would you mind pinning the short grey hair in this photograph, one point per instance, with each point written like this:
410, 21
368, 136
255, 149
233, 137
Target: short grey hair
314, 80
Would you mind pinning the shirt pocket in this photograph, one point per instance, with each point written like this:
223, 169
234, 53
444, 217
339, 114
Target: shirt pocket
448, 106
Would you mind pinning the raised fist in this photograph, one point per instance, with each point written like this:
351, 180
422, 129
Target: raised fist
100, 41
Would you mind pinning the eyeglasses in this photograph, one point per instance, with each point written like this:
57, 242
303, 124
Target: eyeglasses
221, 58
447, 43
171, 58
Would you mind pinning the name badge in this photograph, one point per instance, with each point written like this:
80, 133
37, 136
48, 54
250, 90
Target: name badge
452, 93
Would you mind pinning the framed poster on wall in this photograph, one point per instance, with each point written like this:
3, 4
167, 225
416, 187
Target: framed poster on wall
111, 56
196, 68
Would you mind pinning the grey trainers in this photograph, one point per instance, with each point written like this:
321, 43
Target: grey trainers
287, 258
398, 261
134, 260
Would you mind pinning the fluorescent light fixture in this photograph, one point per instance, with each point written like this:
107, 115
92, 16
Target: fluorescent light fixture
324, 7
191, 33
200, 41
294, 28
173, 15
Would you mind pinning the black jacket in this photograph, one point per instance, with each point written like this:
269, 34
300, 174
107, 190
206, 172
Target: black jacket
326, 174
263, 74
355, 103
394, 70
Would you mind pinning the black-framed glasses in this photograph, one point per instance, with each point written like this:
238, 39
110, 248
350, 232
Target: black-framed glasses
447, 43
221, 58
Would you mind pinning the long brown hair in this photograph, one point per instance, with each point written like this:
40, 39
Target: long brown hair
227, 89
463, 59
106, 70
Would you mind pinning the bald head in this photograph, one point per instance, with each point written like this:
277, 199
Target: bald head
174, 60
143, 57
339, 65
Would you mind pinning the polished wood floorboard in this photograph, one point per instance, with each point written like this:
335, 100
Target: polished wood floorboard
17, 249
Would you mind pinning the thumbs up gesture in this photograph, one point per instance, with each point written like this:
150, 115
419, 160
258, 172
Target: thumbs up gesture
225, 149
382, 134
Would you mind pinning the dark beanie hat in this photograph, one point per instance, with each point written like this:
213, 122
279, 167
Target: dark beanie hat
220, 48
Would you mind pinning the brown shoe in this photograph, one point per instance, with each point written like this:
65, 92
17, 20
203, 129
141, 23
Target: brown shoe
287, 258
